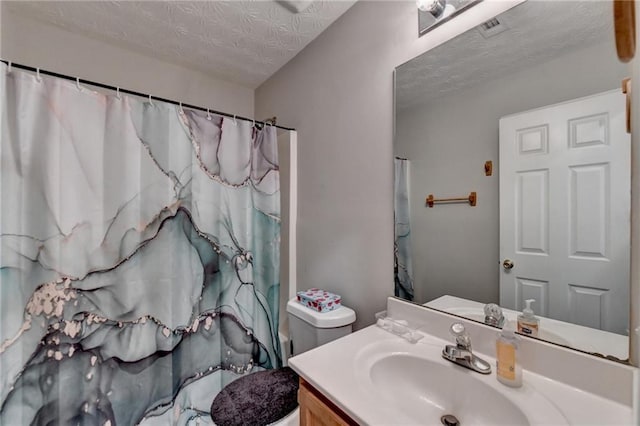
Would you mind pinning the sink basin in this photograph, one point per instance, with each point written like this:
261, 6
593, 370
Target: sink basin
433, 390
416, 381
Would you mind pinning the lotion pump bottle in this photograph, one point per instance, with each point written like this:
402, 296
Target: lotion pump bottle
528, 323
508, 368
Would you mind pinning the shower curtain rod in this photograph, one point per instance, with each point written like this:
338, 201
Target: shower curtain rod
131, 92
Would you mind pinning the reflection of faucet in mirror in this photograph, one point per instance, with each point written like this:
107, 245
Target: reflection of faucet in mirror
461, 353
493, 315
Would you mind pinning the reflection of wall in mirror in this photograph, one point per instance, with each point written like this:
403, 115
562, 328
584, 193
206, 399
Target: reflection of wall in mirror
449, 139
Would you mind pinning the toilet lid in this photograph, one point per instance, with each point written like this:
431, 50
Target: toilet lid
259, 398
331, 319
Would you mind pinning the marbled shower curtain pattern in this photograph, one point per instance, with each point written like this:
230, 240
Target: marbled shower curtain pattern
139, 256
403, 270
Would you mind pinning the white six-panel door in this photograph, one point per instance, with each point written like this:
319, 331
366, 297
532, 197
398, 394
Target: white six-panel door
565, 211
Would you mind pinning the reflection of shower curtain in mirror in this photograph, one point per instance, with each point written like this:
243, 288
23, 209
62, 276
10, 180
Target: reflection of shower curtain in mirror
139, 250
402, 243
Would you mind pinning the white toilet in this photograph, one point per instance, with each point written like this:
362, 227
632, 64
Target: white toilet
309, 329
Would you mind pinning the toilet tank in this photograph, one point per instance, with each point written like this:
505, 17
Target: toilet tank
309, 329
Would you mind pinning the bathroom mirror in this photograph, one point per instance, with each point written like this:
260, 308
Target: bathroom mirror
520, 121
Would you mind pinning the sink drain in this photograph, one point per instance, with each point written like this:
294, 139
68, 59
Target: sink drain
449, 420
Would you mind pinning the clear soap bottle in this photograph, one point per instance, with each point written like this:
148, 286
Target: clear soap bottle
528, 323
508, 368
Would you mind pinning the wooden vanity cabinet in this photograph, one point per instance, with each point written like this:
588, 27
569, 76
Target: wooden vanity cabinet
317, 410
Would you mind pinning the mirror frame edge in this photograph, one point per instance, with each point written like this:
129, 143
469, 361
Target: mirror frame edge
634, 290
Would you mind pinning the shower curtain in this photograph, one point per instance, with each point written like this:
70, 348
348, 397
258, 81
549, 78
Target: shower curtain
139, 256
403, 272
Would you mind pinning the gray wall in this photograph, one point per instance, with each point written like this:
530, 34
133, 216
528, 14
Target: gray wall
338, 94
456, 247
31, 42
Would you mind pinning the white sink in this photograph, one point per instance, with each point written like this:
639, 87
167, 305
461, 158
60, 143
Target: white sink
379, 379
424, 387
432, 390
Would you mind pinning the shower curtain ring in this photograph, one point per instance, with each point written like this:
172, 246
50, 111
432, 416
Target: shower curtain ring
9, 67
208, 114
234, 120
118, 96
78, 84
38, 78
181, 110
150, 101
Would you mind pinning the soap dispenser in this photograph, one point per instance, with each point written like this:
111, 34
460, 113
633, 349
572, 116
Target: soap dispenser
508, 368
528, 323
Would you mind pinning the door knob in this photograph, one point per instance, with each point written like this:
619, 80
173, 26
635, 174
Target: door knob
508, 264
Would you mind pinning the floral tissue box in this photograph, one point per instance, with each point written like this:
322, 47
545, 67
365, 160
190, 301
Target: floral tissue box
319, 300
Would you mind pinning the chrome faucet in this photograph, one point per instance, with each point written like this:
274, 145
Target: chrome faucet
461, 353
493, 315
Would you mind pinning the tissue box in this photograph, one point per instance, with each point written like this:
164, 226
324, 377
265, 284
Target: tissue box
319, 300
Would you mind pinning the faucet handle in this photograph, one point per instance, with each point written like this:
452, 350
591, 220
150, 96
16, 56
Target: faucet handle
493, 315
460, 333
457, 328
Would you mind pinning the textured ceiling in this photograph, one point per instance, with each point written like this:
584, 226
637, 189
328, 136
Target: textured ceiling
538, 31
239, 41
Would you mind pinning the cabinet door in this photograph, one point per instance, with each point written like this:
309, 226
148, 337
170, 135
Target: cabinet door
316, 410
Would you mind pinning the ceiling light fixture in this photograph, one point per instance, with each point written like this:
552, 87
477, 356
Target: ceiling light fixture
434, 7
432, 13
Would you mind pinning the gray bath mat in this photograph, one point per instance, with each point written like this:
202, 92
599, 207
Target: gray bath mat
257, 399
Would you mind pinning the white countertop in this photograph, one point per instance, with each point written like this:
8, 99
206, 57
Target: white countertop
339, 370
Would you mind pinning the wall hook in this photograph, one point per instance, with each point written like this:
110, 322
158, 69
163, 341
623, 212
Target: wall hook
488, 168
